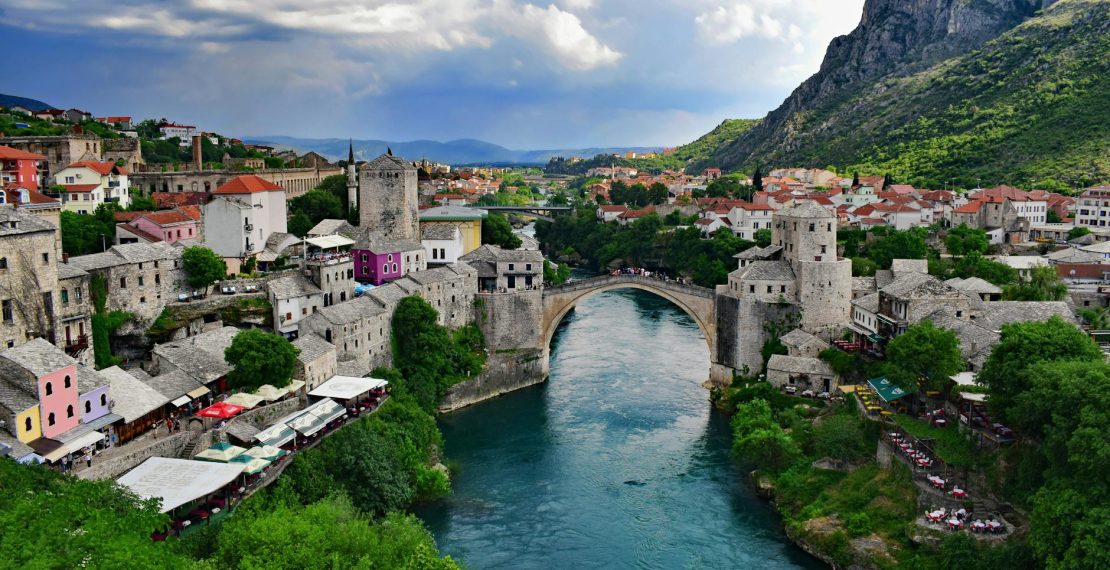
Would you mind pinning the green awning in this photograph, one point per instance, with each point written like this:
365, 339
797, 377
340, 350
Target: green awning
876, 337
887, 390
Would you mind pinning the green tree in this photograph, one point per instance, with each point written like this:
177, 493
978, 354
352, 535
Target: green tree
763, 237
757, 180
83, 234
300, 224
1078, 232
1043, 285
924, 355
429, 358
1006, 371
1052, 217
908, 244
317, 205
140, 203
962, 240
758, 439
202, 266
260, 358
841, 436
497, 231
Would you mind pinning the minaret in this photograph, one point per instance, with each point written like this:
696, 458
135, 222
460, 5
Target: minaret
352, 180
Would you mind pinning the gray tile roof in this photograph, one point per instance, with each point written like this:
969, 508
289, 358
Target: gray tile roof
312, 347
917, 285
38, 357
328, 227
200, 356
869, 303
883, 277
353, 310
799, 365
973, 337
133, 398
439, 232
799, 337
173, 384
1074, 255
16, 449
493, 253
1001, 313
452, 212
126, 254
24, 223
89, 379
759, 252
292, 286
863, 284
387, 162
70, 271
975, 285
779, 270
16, 399
805, 209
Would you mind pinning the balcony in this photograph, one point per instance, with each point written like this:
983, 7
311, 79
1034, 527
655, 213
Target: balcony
75, 345
113, 183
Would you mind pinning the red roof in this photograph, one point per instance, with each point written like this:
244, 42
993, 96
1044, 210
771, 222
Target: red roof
171, 199
751, 207
613, 208
81, 187
969, 208
9, 153
33, 196
101, 168
127, 216
248, 184
139, 232
193, 212
167, 217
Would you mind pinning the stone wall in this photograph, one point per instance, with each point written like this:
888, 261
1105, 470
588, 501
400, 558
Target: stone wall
747, 323
825, 292
505, 372
264, 416
117, 465
510, 320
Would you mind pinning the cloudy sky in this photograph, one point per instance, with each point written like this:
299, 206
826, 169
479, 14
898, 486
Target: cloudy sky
526, 74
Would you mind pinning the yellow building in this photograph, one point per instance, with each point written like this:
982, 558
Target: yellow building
468, 220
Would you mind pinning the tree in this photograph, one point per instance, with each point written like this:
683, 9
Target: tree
318, 205
1043, 285
887, 181
1006, 371
140, 203
260, 358
202, 266
300, 224
757, 180
429, 358
758, 439
842, 437
83, 234
1078, 232
855, 179
763, 237
908, 244
1052, 217
497, 231
962, 240
923, 355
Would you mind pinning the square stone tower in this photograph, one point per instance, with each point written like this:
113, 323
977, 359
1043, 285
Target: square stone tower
807, 234
388, 198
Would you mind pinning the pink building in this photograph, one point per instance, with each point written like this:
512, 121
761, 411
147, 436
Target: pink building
43, 371
168, 225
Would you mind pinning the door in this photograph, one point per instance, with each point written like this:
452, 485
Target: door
512, 282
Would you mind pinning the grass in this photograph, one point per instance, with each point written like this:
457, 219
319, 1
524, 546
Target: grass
953, 447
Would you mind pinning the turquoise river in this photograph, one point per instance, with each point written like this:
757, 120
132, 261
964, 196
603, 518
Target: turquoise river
617, 461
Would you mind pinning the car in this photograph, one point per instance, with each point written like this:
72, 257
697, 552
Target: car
823, 396
790, 390
808, 393
182, 298
229, 290
1002, 431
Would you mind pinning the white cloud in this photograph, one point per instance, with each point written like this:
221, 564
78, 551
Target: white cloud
565, 37
578, 4
728, 21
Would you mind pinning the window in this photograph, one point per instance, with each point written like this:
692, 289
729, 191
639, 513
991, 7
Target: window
50, 419
142, 299
528, 267
104, 399
141, 283
288, 316
385, 268
389, 257
395, 268
122, 282
511, 267
751, 288
68, 382
9, 315
3, 263
27, 424
812, 227
365, 258
157, 279
46, 259
768, 288
435, 253
823, 249
88, 407
49, 388
69, 411
65, 296
782, 288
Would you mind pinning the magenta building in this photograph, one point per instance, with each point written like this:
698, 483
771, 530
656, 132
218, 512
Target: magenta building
377, 259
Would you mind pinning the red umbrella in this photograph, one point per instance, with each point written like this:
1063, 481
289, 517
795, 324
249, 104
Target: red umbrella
220, 410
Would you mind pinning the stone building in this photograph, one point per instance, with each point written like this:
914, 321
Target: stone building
293, 297
295, 181
802, 372
60, 151
140, 278
28, 277
241, 217
800, 343
129, 150
74, 313
388, 197
506, 270
316, 363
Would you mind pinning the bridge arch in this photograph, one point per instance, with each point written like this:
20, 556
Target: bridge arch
698, 302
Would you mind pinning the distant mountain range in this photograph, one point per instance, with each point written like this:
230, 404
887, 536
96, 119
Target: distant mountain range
29, 104
456, 152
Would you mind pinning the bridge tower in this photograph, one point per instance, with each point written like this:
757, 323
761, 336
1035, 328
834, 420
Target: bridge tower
388, 199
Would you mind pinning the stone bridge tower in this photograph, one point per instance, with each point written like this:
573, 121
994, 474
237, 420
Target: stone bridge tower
388, 198
807, 234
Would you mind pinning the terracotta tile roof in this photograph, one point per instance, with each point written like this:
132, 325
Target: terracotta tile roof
192, 212
248, 184
167, 217
146, 236
969, 208
33, 196
9, 153
613, 208
127, 216
171, 199
81, 187
101, 168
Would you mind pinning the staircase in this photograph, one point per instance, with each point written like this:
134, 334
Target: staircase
189, 449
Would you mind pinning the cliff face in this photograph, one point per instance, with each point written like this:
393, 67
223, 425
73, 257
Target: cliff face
894, 37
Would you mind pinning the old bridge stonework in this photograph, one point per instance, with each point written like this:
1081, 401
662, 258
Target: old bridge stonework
698, 302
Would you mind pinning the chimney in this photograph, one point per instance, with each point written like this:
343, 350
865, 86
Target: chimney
198, 157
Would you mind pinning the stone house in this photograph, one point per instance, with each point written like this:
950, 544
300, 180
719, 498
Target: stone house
389, 198
293, 298
912, 297
804, 373
28, 277
316, 362
800, 343
74, 312
140, 278
506, 270
199, 357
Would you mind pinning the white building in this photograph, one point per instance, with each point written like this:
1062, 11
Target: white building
443, 243
90, 183
293, 298
746, 219
183, 132
1092, 209
241, 217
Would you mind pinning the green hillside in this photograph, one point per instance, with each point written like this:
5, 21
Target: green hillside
1031, 106
726, 132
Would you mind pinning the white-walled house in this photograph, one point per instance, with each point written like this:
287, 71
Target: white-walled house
747, 219
90, 183
242, 215
443, 243
293, 298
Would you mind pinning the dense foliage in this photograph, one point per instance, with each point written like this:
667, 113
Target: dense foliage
311, 208
429, 357
646, 243
83, 234
104, 322
259, 358
497, 231
923, 356
637, 195
202, 266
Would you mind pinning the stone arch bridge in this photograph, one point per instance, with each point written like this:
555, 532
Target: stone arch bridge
698, 302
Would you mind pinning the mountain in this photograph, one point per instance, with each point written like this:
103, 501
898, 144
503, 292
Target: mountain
29, 104
456, 152
960, 91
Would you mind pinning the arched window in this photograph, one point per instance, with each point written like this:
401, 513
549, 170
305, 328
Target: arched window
27, 424
50, 419
49, 388
88, 407
69, 411
68, 382
104, 399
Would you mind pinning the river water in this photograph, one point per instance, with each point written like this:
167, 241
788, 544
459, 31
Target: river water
617, 461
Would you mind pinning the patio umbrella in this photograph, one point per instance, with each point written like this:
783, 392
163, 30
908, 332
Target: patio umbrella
269, 392
245, 400
221, 410
221, 452
267, 452
253, 464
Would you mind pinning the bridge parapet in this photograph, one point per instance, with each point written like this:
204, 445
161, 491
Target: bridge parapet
607, 280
